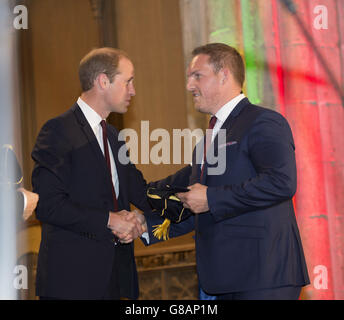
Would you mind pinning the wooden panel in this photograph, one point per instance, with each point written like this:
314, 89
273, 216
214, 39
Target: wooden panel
61, 35
150, 31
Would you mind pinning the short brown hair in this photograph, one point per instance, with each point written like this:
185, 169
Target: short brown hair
100, 60
222, 55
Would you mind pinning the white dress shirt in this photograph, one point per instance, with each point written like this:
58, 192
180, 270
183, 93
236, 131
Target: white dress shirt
94, 119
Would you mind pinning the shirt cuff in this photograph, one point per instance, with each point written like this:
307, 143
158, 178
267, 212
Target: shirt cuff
145, 235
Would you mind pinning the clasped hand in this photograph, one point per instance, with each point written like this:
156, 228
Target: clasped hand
127, 225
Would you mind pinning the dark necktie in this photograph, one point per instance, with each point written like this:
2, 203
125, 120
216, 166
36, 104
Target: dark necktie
107, 158
207, 141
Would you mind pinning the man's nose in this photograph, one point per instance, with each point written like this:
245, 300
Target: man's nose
190, 84
132, 91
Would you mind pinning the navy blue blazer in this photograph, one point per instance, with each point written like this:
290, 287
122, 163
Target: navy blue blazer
249, 239
71, 177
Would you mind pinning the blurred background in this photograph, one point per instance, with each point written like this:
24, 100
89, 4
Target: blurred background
294, 54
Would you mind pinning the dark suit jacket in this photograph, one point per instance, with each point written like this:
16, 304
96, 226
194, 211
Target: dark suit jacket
71, 177
249, 238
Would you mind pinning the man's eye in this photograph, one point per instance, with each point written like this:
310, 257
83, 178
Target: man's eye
197, 76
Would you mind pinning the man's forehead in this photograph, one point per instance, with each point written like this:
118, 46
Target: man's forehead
125, 65
124, 61
198, 62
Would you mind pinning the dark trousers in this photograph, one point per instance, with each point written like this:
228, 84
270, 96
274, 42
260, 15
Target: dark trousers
113, 289
282, 293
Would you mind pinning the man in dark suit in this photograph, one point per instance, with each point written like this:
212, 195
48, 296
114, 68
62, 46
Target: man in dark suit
247, 240
86, 250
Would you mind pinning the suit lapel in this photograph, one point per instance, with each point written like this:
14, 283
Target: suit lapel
229, 126
93, 142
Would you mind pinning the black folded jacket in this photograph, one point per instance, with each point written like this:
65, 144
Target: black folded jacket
167, 204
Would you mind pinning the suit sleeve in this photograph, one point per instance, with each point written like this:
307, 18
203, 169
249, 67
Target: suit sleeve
176, 229
271, 152
138, 188
51, 180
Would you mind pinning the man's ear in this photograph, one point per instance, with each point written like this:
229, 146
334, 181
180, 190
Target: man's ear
102, 81
224, 75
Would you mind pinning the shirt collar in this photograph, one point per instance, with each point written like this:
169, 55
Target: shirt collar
93, 118
225, 111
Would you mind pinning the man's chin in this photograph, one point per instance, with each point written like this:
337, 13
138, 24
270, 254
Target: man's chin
198, 107
126, 107
121, 109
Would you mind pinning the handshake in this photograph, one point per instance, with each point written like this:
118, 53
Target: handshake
127, 225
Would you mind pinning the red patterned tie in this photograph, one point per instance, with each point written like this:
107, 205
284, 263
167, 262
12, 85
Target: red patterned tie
107, 158
207, 141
